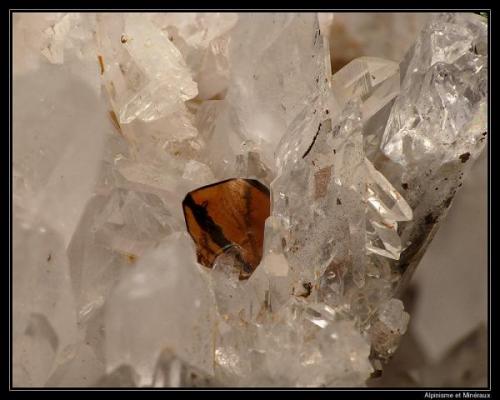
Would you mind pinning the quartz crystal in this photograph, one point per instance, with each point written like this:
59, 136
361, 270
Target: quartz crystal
118, 116
149, 75
166, 292
437, 126
44, 329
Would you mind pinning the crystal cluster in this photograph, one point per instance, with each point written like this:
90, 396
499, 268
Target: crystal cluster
143, 108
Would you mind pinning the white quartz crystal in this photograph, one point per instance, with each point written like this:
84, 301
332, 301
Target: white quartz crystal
60, 129
262, 101
161, 303
117, 116
44, 316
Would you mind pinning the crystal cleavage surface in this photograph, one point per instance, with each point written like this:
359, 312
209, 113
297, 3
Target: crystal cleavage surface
228, 216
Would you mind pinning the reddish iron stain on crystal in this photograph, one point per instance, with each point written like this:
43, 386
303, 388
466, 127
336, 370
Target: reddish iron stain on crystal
101, 63
227, 215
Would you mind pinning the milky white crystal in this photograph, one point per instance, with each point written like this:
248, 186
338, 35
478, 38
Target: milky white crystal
44, 317
151, 76
59, 125
261, 101
58, 144
162, 303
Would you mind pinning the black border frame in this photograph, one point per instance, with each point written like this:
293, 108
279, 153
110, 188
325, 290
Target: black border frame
387, 391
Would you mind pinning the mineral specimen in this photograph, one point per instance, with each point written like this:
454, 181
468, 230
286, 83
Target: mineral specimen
163, 303
120, 116
228, 216
437, 125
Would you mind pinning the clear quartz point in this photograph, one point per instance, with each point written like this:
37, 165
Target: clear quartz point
374, 80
